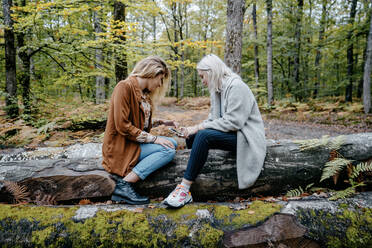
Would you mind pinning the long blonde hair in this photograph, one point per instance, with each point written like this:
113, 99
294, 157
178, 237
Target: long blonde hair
151, 67
216, 70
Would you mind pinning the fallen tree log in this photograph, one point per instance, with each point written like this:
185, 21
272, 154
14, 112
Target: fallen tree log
67, 173
311, 222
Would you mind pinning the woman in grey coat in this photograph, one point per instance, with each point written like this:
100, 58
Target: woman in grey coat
234, 124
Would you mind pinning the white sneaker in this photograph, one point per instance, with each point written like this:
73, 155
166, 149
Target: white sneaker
178, 198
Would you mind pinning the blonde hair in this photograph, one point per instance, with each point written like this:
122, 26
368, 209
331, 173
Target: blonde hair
151, 67
216, 70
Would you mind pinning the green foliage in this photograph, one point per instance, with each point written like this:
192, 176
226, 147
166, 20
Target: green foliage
359, 168
333, 167
298, 192
325, 142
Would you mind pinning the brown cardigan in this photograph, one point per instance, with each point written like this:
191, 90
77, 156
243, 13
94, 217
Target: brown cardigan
125, 122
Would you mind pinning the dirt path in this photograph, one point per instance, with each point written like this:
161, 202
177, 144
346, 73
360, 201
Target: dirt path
274, 128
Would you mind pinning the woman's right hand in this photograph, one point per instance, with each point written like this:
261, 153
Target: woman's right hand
164, 142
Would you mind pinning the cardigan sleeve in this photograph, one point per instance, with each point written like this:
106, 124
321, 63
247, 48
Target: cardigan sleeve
121, 113
238, 109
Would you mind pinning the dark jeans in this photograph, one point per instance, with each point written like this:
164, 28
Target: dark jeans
200, 143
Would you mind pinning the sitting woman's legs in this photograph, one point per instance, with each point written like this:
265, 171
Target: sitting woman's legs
153, 157
201, 143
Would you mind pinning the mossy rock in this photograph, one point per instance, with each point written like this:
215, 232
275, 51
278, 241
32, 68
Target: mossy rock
351, 228
36, 226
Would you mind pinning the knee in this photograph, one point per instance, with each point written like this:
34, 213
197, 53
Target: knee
203, 135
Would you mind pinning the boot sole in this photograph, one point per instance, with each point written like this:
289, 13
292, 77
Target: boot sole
117, 198
170, 206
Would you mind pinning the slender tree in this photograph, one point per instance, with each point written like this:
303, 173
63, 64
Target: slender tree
256, 60
100, 80
350, 54
10, 61
269, 7
318, 56
367, 73
121, 64
234, 30
296, 65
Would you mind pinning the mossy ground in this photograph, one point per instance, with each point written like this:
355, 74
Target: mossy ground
36, 226
351, 228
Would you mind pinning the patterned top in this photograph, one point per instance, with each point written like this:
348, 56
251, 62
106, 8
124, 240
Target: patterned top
146, 137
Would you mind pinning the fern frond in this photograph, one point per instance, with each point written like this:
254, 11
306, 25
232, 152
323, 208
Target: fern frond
359, 168
19, 192
309, 186
325, 142
336, 143
342, 194
334, 166
312, 143
295, 192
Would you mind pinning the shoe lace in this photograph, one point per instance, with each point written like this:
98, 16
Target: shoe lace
179, 188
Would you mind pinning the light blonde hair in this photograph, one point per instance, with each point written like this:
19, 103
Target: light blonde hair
216, 70
151, 67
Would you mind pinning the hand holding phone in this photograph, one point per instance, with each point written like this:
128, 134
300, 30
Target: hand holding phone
176, 132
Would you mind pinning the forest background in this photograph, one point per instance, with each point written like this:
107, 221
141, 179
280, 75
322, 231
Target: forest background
305, 60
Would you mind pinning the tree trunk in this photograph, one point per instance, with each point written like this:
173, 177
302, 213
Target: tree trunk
234, 31
25, 78
269, 53
256, 61
367, 73
286, 167
121, 64
296, 66
10, 61
100, 80
318, 56
350, 55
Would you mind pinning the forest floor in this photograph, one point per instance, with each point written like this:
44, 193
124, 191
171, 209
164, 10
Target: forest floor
61, 123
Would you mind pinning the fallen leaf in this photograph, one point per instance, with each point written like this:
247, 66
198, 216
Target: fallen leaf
138, 210
250, 212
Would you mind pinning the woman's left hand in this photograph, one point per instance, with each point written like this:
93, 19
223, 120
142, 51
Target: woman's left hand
164, 142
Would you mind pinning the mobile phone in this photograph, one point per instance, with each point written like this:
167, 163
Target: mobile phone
178, 133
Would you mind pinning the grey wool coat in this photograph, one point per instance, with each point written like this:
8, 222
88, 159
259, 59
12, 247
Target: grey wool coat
235, 109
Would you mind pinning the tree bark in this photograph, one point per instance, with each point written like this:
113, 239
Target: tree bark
10, 61
367, 73
270, 92
286, 167
296, 65
100, 80
318, 56
256, 60
350, 54
121, 64
234, 31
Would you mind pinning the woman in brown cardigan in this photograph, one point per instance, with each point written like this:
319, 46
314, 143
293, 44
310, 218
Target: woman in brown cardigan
129, 150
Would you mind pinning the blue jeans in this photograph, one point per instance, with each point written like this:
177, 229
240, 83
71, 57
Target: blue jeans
200, 143
153, 157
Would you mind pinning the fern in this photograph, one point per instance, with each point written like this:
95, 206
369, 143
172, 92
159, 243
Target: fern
342, 194
295, 192
336, 143
333, 167
19, 192
359, 168
326, 142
